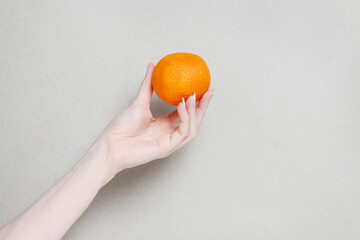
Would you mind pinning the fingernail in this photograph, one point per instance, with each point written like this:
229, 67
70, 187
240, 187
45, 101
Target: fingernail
183, 102
194, 96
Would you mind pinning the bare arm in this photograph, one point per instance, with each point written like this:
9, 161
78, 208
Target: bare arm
133, 138
54, 213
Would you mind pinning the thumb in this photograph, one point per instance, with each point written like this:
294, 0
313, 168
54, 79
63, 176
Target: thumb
146, 90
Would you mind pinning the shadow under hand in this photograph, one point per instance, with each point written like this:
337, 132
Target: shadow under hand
160, 108
119, 194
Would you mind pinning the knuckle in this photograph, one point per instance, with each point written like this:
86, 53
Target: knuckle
163, 150
186, 133
194, 134
163, 154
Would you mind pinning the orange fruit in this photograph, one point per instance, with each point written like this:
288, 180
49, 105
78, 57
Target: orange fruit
180, 75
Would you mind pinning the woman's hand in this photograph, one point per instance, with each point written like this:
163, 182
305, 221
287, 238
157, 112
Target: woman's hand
135, 137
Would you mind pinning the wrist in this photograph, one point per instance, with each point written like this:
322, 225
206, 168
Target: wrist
96, 159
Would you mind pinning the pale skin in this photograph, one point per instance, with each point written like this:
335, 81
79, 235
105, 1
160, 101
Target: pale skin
132, 138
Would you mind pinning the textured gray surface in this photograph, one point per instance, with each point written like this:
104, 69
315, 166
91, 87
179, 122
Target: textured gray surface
278, 155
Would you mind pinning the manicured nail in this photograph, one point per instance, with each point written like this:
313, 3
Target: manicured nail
194, 99
184, 102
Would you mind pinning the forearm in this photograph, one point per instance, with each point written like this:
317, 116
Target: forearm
93, 153
54, 213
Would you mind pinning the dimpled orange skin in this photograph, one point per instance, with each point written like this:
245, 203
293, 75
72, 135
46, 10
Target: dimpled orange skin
180, 75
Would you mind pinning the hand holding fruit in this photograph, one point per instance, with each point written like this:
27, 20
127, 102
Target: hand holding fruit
134, 137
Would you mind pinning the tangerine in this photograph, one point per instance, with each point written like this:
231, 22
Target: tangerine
180, 75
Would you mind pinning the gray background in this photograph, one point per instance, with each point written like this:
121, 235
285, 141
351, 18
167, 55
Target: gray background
278, 155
